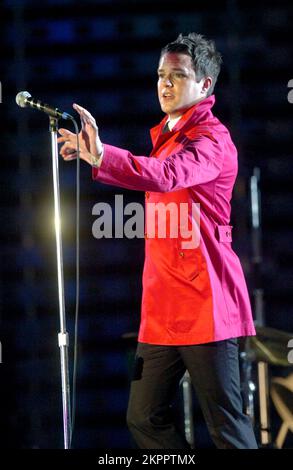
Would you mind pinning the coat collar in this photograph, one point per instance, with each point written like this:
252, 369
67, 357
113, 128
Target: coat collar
194, 116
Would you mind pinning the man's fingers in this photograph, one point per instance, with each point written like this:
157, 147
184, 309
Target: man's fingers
62, 139
70, 157
78, 108
85, 115
81, 111
66, 136
67, 149
65, 132
68, 139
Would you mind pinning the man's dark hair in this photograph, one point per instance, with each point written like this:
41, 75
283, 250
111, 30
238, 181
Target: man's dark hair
204, 55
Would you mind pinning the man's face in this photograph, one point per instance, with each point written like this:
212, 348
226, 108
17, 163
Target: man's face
178, 89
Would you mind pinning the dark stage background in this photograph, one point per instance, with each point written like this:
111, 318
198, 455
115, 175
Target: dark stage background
103, 55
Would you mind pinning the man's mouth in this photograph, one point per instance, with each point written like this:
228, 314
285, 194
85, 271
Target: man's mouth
167, 96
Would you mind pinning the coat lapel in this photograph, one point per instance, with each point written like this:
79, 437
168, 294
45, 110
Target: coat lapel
191, 125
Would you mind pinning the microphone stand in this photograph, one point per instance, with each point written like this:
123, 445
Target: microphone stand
262, 367
188, 409
63, 339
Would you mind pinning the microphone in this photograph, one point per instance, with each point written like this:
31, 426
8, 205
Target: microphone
24, 99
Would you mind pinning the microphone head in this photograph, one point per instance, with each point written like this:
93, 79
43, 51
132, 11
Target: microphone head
21, 98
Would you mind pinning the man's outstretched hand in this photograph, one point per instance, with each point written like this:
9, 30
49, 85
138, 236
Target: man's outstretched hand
90, 145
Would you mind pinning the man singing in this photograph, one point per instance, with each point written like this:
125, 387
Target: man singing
195, 302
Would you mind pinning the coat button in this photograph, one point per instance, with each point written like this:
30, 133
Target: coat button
181, 254
147, 195
146, 236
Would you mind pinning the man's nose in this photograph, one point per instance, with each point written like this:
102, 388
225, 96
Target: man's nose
168, 81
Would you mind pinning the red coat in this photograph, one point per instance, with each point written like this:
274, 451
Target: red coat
190, 295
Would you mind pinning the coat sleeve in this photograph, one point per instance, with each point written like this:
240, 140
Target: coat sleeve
200, 161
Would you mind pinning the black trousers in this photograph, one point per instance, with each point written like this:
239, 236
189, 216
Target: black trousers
214, 371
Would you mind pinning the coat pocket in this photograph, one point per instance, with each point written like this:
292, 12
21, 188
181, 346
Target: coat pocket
189, 262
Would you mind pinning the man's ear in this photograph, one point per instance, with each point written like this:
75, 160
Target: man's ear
207, 83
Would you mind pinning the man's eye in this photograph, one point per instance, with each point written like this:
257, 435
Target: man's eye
179, 75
